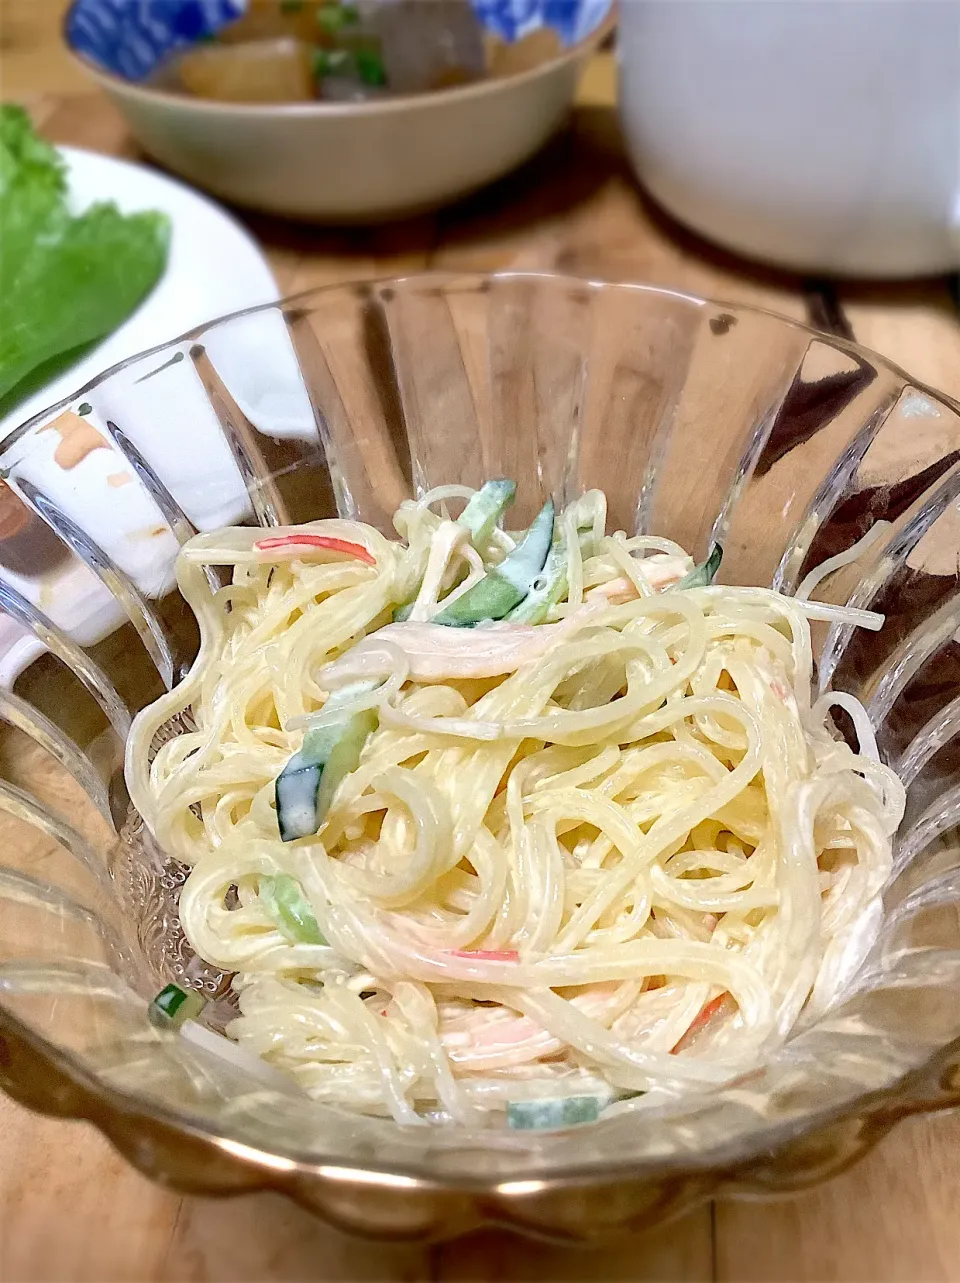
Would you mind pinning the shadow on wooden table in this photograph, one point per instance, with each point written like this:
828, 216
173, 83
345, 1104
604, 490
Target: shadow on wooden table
263, 1238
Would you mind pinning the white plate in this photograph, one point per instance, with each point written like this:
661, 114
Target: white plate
214, 268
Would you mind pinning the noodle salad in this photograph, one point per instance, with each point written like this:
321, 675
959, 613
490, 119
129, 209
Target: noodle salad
509, 827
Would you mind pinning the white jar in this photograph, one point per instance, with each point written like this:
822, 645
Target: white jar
822, 135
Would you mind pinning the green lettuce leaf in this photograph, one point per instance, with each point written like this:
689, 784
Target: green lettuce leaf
66, 281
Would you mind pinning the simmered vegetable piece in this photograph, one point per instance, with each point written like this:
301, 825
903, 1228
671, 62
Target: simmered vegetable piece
298, 50
278, 70
429, 46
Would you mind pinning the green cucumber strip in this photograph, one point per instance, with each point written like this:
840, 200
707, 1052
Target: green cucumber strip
492, 597
173, 1005
522, 566
344, 757
305, 786
480, 516
284, 900
548, 588
321, 741
564, 1111
702, 575
318, 740
506, 585
296, 791
486, 508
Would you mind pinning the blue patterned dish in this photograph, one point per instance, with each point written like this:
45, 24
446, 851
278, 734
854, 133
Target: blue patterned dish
130, 38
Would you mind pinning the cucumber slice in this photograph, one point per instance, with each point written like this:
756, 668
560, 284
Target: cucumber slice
173, 1005
480, 516
548, 587
529, 557
343, 755
486, 508
490, 598
284, 900
306, 785
702, 575
503, 587
563, 1111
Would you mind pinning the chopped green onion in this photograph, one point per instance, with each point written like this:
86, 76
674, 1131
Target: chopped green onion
284, 900
370, 67
173, 1005
563, 1111
486, 507
702, 575
332, 18
84, 408
332, 62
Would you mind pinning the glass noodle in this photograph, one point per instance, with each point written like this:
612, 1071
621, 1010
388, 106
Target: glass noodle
600, 848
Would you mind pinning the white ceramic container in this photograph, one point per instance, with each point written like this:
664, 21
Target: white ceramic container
822, 135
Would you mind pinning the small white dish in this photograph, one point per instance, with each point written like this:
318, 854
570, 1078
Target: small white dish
214, 268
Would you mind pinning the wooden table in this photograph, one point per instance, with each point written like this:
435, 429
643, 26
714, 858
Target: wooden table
70, 1209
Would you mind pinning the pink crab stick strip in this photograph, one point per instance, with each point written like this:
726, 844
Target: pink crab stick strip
436, 653
310, 547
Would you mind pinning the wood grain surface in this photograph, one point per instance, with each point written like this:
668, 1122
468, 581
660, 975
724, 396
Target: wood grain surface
70, 1208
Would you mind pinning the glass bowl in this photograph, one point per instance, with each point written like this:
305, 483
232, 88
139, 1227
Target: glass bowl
701, 421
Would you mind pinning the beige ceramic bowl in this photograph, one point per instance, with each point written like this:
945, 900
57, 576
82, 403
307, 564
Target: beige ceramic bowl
354, 162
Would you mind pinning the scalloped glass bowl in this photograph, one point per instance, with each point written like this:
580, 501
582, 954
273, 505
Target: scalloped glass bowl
701, 421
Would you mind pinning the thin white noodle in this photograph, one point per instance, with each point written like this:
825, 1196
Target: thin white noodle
866, 737
612, 854
819, 573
